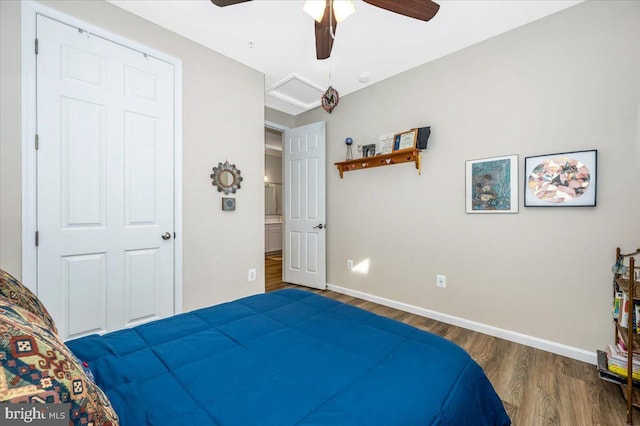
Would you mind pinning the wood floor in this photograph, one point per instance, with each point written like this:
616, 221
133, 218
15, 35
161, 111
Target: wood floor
273, 272
536, 387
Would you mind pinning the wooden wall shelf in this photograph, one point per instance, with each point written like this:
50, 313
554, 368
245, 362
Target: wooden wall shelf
399, 157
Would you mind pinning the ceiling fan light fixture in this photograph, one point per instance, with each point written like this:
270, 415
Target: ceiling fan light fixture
315, 8
343, 9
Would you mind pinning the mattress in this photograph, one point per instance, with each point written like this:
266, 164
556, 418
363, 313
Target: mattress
290, 357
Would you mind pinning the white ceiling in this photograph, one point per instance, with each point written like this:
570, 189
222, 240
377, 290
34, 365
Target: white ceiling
276, 37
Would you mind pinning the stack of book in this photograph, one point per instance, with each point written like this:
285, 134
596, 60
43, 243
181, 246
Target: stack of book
617, 360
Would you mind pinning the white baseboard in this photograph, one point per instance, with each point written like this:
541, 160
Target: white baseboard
513, 336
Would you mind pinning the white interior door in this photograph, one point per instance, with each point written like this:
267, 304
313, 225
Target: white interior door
305, 206
104, 182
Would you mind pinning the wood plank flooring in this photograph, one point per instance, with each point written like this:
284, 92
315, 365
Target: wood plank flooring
536, 387
273, 273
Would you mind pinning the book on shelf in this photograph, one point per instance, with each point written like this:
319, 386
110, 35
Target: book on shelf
617, 362
610, 376
635, 374
618, 357
618, 354
617, 301
620, 343
624, 314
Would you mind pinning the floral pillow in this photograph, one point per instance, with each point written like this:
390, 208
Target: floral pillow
35, 366
18, 294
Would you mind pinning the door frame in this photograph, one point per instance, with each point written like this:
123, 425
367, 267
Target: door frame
275, 126
29, 10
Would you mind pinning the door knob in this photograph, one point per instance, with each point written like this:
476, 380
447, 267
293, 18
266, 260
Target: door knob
166, 235
318, 226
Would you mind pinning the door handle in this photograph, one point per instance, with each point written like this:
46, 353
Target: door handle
166, 235
320, 226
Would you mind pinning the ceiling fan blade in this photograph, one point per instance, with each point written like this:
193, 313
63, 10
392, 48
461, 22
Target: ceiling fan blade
324, 39
423, 10
223, 3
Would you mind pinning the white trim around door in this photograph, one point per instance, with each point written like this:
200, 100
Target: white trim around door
30, 10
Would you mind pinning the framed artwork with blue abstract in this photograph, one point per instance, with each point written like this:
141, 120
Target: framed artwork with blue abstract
492, 185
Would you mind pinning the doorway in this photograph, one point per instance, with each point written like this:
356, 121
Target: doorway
273, 208
300, 231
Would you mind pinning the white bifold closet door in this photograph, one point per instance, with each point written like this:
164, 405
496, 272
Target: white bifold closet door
105, 182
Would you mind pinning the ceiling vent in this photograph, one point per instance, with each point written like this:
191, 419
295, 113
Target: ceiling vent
297, 91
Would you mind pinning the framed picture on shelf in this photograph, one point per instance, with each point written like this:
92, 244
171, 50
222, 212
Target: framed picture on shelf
386, 143
368, 150
405, 140
492, 185
565, 179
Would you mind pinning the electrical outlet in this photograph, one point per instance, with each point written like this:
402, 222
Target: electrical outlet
441, 281
349, 264
252, 275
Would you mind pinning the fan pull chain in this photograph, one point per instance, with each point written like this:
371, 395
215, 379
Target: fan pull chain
331, 31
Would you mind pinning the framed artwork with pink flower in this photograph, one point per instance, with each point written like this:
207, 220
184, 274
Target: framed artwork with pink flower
566, 179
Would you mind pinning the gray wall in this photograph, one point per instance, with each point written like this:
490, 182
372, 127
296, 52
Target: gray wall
567, 82
10, 134
223, 118
279, 117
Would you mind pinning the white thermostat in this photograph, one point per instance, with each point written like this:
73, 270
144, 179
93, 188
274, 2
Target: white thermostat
228, 204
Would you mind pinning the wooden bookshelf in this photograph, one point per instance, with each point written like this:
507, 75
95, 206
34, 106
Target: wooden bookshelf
625, 282
397, 157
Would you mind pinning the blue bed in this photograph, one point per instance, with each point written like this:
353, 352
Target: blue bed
290, 357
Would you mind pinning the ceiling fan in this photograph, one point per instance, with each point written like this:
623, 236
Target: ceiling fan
338, 10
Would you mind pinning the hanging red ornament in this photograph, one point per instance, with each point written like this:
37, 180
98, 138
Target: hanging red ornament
330, 99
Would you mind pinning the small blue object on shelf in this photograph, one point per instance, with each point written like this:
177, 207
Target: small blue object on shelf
349, 142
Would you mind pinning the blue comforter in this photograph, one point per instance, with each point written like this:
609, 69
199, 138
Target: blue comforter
287, 358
